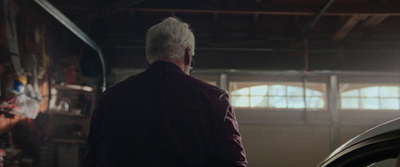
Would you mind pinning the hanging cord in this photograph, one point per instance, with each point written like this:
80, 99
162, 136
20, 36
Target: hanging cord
305, 98
306, 58
305, 34
306, 70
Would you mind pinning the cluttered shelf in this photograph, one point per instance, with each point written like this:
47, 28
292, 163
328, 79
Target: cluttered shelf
73, 100
71, 107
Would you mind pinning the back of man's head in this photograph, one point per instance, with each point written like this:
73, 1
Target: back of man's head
168, 40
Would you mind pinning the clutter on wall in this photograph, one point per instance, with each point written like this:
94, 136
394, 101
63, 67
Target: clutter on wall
40, 79
22, 71
20, 95
34, 58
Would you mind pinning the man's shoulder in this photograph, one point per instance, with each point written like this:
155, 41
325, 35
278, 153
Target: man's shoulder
123, 85
205, 86
176, 78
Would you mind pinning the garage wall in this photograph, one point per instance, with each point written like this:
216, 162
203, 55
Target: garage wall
290, 145
276, 138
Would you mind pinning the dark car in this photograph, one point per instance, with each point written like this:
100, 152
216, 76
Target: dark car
376, 147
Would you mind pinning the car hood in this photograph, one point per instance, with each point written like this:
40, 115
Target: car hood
383, 128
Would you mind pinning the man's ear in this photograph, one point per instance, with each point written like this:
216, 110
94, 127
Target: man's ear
187, 56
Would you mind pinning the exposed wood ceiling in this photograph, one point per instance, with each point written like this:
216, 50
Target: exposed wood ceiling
238, 25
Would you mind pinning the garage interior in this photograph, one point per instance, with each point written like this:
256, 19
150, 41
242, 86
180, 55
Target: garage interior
334, 66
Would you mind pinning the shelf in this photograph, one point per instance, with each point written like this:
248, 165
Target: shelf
71, 114
74, 87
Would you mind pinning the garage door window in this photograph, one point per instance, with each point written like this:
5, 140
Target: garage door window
370, 97
277, 95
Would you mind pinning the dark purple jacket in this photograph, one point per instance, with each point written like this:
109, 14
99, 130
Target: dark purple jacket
164, 118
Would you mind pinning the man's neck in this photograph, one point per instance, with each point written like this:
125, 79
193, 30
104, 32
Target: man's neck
177, 62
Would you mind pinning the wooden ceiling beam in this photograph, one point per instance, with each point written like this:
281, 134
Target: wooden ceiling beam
280, 9
374, 21
347, 27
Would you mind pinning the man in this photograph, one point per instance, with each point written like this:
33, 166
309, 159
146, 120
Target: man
163, 117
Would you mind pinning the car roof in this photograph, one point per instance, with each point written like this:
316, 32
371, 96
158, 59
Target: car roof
387, 127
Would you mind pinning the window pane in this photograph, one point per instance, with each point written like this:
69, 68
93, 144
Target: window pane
310, 92
369, 103
390, 91
350, 103
370, 92
315, 102
276, 95
295, 91
240, 101
277, 90
371, 96
277, 102
295, 102
391, 104
258, 101
352, 93
259, 90
243, 91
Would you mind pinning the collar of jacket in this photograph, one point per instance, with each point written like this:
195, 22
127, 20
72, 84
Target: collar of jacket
164, 66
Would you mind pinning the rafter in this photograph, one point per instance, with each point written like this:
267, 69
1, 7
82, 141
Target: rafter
374, 21
347, 27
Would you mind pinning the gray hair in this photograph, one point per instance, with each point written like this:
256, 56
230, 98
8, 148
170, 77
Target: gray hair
168, 40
